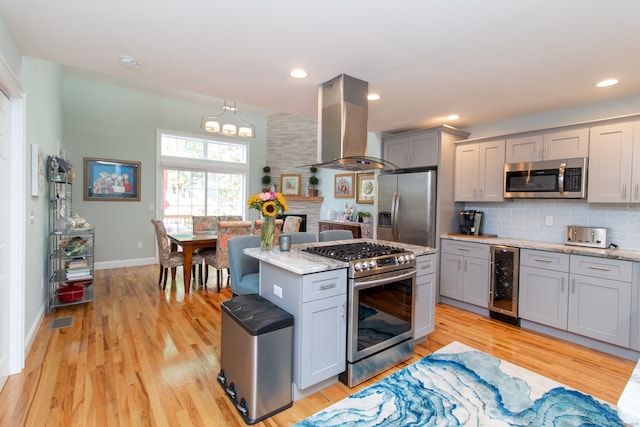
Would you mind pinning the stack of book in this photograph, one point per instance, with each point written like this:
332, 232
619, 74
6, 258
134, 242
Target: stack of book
78, 269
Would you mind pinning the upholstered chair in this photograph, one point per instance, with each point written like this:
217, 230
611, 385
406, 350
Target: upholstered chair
292, 224
304, 237
327, 235
220, 258
169, 259
243, 269
204, 223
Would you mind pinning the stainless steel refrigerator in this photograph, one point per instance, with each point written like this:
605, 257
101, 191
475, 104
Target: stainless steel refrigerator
407, 208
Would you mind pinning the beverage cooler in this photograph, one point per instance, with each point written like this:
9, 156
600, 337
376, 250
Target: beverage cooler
503, 292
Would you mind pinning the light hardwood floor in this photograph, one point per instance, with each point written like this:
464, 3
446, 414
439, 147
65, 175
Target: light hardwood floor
139, 356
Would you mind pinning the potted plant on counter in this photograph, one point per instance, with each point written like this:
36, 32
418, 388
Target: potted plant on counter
313, 181
364, 216
266, 179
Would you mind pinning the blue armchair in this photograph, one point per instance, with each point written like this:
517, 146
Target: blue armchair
243, 269
327, 235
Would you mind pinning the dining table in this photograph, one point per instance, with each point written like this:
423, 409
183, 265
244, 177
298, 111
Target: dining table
189, 242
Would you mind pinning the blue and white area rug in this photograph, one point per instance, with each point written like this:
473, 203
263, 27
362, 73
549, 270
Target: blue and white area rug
460, 386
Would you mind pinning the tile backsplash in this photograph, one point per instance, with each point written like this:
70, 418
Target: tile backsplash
526, 219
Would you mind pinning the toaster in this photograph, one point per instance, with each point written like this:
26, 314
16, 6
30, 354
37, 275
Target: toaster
593, 237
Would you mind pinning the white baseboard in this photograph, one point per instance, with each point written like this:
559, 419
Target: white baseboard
124, 263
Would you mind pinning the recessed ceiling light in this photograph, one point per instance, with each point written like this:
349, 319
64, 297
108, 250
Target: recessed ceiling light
298, 73
608, 82
453, 117
373, 97
129, 62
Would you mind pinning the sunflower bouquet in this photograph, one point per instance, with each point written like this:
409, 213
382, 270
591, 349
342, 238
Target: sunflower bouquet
269, 204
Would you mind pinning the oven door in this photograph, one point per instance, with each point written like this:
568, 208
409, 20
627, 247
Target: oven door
381, 312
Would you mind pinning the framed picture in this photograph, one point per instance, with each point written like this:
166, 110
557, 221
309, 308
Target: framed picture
106, 179
290, 184
365, 188
343, 185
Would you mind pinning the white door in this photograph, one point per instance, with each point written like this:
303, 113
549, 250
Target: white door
4, 238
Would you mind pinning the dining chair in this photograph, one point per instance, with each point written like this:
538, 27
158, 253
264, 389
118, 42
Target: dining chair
220, 258
327, 235
204, 223
244, 270
301, 237
292, 224
170, 259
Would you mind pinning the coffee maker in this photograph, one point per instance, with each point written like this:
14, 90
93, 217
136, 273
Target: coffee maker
470, 222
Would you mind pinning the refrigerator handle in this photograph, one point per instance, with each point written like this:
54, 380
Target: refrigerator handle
394, 217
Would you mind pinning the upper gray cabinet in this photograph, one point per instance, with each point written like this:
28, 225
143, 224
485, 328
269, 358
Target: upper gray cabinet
479, 171
565, 144
614, 163
419, 149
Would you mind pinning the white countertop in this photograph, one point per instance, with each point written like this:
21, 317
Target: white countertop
612, 253
300, 262
628, 408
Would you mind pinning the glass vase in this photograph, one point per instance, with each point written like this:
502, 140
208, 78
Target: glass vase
267, 233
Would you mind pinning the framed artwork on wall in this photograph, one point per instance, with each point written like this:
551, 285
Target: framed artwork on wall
111, 180
343, 185
365, 186
290, 184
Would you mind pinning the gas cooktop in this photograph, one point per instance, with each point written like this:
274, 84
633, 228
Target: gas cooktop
366, 258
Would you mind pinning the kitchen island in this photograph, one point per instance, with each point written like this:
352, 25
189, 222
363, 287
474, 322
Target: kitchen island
314, 290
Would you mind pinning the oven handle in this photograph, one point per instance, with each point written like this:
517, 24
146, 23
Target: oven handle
385, 279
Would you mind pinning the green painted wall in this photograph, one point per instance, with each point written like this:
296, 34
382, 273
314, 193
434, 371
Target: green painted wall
107, 121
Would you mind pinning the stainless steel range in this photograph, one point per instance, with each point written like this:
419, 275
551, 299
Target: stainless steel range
381, 306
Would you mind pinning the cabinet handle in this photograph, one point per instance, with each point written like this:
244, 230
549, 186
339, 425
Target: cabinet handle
464, 249
548, 261
635, 196
342, 310
425, 266
593, 267
481, 195
465, 265
562, 285
474, 194
328, 286
624, 191
573, 286
459, 265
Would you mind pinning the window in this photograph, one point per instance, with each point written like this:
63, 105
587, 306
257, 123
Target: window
200, 177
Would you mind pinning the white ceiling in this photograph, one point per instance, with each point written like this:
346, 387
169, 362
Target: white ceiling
485, 60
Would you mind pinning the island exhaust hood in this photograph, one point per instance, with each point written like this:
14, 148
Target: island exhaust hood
342, 126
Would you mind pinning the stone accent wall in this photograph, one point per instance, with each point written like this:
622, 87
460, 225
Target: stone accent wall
292, 141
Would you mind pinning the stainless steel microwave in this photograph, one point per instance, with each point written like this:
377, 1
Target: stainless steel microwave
547, 179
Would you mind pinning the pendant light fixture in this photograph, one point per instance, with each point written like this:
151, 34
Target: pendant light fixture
228, 123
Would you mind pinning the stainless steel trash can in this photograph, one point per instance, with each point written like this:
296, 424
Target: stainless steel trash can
257, 356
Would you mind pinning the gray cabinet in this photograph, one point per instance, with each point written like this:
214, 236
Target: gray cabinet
563, 144
424, 322
464, 272
584, 295
614, 163
318, 304
544, 280
417, 149
600, 299
479, 171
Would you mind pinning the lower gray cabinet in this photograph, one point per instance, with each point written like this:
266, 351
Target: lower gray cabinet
464, 272
318, 305
595, 303
424, 322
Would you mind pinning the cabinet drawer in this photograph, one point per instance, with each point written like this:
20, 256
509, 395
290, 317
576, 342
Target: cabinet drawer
425, 265
543, 259
604, 268
323, 285
469, 249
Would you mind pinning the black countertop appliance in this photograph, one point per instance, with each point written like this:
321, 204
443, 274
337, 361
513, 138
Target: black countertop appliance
470, 222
